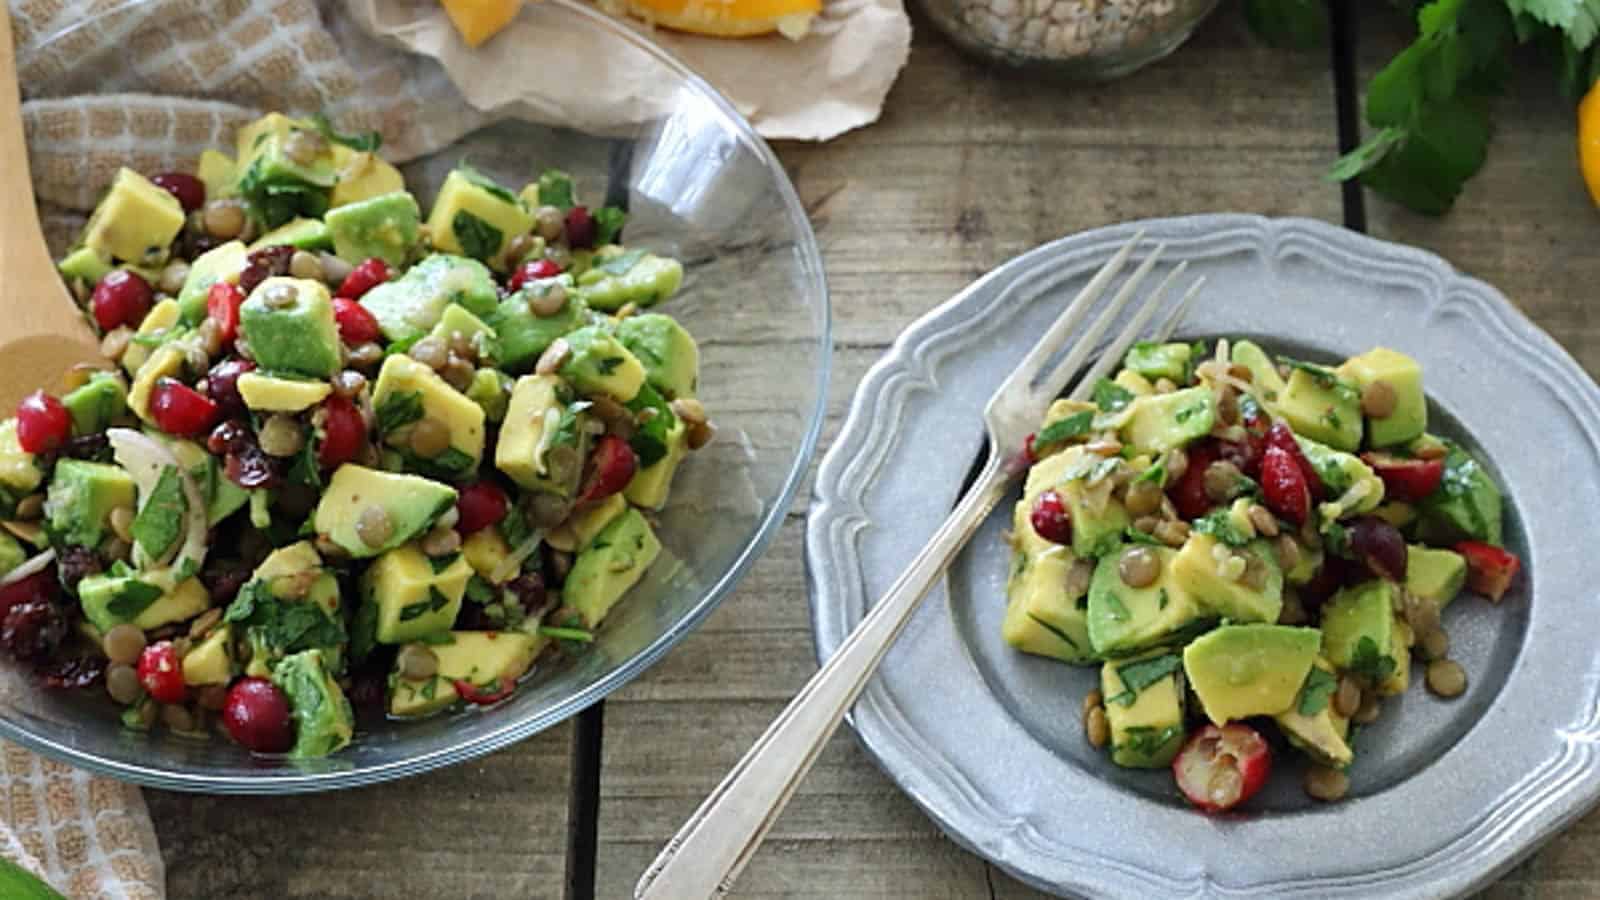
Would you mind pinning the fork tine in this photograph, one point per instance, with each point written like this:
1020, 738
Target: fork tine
1069, 318
1175, 318
1084, 343
1113, 354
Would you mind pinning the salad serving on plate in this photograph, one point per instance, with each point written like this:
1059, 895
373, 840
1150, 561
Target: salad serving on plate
1249, 547
341, 453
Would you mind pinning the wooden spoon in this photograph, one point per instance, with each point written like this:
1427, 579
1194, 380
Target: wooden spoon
42, 332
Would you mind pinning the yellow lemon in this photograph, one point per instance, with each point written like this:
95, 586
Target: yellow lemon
479, 20
1589, 141
730, 18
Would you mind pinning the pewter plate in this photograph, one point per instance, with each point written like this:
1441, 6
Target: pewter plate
1444, 796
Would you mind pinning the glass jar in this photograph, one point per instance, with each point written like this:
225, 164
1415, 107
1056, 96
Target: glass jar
1083, 40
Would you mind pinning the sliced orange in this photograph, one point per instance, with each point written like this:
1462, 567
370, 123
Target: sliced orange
730, 18
1589, 141
479, 20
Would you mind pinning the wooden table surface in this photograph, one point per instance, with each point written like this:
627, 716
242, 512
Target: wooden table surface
966, 169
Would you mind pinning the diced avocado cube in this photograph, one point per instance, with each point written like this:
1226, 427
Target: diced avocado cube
1350, 484
96, 402
1435, 574
485, 550
362, 176
1133, 383
1161, 422
407, 505
324, 723
476, 217
218, 173
1263, 374
1240, 671
85, 264
1322, 406
416, 596
406, 388
491, 390
302, 234
1466, 505
669, 355
18, 472
1402, 373
1230, 590
1312, 723
110, 600
81, 497
136, 221
1154, 361
270, 393
160, 326
211, 660
599, 364
543, 440
290, 327
1095, 531
409, 306
385, 227
221, 263
650, 485
523, 335
289, 561
581, 527
1124, 619
612, 563
1358, 633
631, 276
277, 186
1400, 678
11, 553
1144, 706
480, 658
457, 321
1042, 616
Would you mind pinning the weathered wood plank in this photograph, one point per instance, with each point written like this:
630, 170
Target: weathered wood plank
967, 169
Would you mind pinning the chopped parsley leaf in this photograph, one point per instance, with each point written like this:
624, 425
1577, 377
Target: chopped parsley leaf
1067, 639
1062, 430
1367, 662
134, 598
478, 238
399, 409
160, 521
1219, 524
1136, 676
1319, 686
1147, 741
1110, 396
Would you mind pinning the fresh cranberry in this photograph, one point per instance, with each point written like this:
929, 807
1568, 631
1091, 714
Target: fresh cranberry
480, 505
222, 384
580, 228
268, 262
190, 191
121, 298
357, 325
161, 672
532, 270
1050, 518
181, 410
1283, 486
343, 432
222, 305
1490, 569
1405, 479
256, 714
1189, 493
43, 424
612, 467
485, 694
1220, 768
1280, 436
364, 277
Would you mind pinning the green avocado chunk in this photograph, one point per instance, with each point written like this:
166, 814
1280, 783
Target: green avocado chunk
301, 234
96, 402
1465, 506
84, 263
669, 355
600, 365
1263, 374
279, 184
1253, 593
1154, 361
612, 564
1161, 422
290, 327
323, 720
1124, 619
11, 553
1240, 671
1435, 574
406, 506
385, 226
1312, 724
1358, 633
214, 265
1144, 707
524, 335
409, 306
629, 276
1403, 375
1322, 406
78, 505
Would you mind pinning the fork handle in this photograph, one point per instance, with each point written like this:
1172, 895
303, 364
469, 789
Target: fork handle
707, 854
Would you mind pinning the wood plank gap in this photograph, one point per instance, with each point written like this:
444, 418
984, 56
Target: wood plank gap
1342, 19
583, 804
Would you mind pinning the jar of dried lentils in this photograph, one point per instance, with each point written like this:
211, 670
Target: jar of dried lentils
1086, 40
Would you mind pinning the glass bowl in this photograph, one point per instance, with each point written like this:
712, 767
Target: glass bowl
1077, 40
700, 185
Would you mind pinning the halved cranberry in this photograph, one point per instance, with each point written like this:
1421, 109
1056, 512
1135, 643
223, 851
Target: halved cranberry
1280, 436
1405, 479
222, 306
480, 505
161, 672
580, 228
222, 384
364, 277
190, 191
43, 423
532, 270
1050, 518
485, 694
257, 716
181, 410
613, 465
1220, 768
343, 432
121, 298
357, 325
1189, 493
1283, 486
1490, 569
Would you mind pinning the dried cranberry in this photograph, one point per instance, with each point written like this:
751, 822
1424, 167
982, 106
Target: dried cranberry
231, 436
95, 446
480, 505
1379, 546
38, 587
1050, 518
72, 672
222, 384
74, 563
367, 688
190, 191
250, 467
32, 629
222, 582
268, 262
580, 228
529, 589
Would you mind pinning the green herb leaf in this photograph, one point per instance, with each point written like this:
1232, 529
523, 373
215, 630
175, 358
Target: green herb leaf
1063, 430
305, 470
1219, 524
608, 222
582, 635
438, 639
160, 521
1147, 741
134, 598
487, 183
1065, 638
1136, 676
435, 602
1336, 540
364, 630
1367, 662
440, 563
399, 409
1314, 695
555, 189
622, 262
478, 238
479, 591
567, 426
283, 627
1110, 396
1136, 536
367, 141
649, 441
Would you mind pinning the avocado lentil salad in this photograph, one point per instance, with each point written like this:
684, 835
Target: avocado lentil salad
1250, 548
343, 456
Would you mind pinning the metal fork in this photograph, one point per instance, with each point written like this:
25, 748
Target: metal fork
707, 854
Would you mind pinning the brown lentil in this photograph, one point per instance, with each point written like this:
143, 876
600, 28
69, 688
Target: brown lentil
30, 507
547, 510
429, 437
374, 527
689, 410
115, 343
699, 434
1446, 678
212, 696
117, 548
1147, 524
1139, 567
1144, 498
177, 717
210, 337
560, 563
1221, 480
223, 219
1347, 699
1091, 700
365, 356
1421, 613
519, 246
458, 373
1228, 406
1368, 711
549, 221
1288, 551
349, 383
1176, 462
1378, 400
123, 643
173, 275
279, 296
1293, 612
431, 352
1097, 728
1434, 644
304, 264
122, 683
1266, 524
1255, 572
1078, 577
1326, 783
417, 662
547, 300
281, 436
205, 622
121, 519
441, 541
553, 357
1172, 532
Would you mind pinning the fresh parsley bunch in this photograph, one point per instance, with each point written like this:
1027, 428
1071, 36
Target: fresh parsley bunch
1428, 109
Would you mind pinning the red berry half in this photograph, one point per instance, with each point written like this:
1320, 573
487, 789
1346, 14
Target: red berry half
181, 410
43, 424
1220, 768
479, 506
161, 672
190, 191
1283, 486
366, 276
343, 432
1050, 518
222, 306
357, 325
